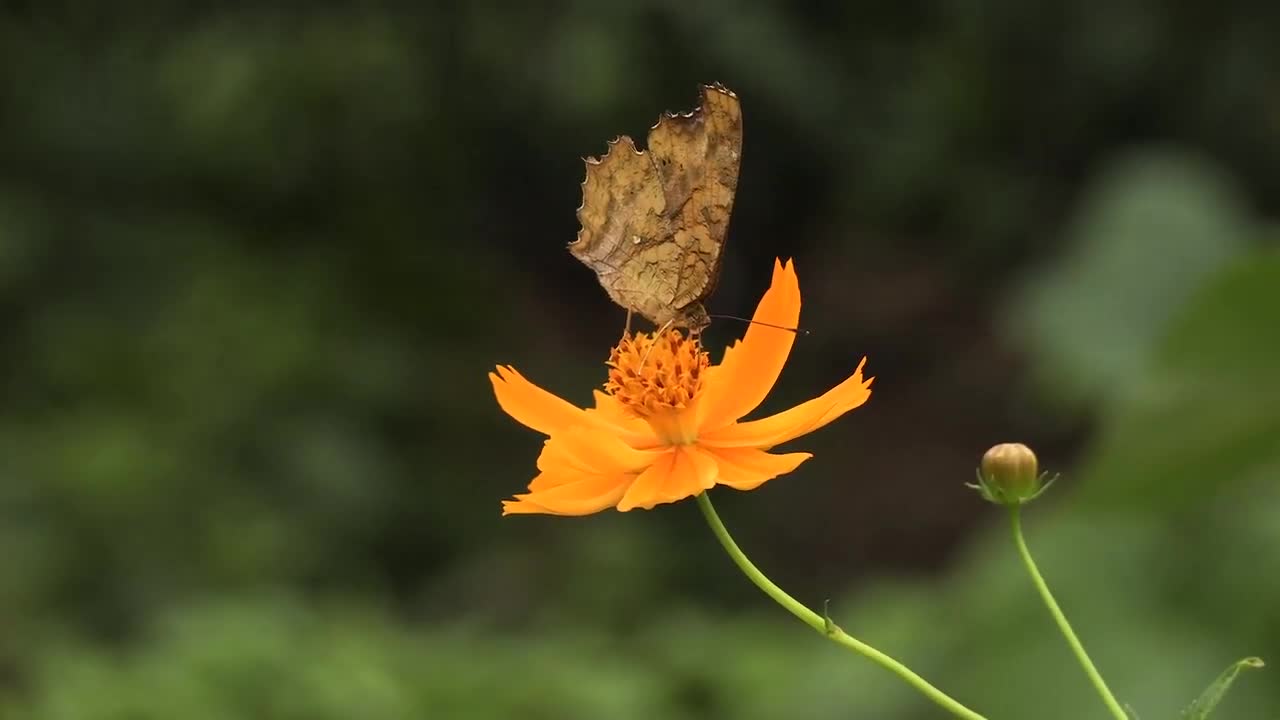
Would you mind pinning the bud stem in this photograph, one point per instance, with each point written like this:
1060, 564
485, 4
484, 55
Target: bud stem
822, 624
1015, 520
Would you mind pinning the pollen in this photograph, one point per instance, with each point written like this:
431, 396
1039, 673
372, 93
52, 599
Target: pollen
655, 374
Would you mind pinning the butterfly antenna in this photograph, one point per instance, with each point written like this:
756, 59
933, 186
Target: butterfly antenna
796, 330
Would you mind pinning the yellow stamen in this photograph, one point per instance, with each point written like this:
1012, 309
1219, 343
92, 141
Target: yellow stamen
656, 375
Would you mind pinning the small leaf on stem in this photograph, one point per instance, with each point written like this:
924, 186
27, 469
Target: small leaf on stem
1201, 708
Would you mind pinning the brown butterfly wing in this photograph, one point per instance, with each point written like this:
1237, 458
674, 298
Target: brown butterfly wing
654, 223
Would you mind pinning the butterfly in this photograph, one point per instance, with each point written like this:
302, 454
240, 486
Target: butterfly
654, 221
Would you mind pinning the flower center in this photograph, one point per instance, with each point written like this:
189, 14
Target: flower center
656, 374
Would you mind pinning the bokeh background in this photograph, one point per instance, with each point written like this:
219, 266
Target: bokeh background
256, 261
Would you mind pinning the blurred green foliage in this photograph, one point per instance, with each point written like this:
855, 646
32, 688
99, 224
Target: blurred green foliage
1147, 235
255, 262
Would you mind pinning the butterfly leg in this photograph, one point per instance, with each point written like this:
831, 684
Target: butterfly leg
656, 335
626, 329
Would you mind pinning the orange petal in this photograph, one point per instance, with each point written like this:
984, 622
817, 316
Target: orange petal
684, 472
522, 507
530, 405
580, 496
748, 468
803, 418
549, 479
540, 410
593, 450
750, 369
635, 431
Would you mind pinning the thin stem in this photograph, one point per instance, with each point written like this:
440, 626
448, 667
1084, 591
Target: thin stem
824, 625
1015, 519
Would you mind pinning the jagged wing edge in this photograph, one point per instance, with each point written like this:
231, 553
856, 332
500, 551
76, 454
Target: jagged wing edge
589, 161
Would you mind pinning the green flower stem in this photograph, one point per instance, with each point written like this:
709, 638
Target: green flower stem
1015, 519
823, 624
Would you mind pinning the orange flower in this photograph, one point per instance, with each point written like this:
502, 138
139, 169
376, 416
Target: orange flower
668, 424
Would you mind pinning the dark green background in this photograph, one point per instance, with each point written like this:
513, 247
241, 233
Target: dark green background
256, 261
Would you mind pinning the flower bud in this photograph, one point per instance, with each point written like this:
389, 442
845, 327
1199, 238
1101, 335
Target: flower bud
1010, 475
